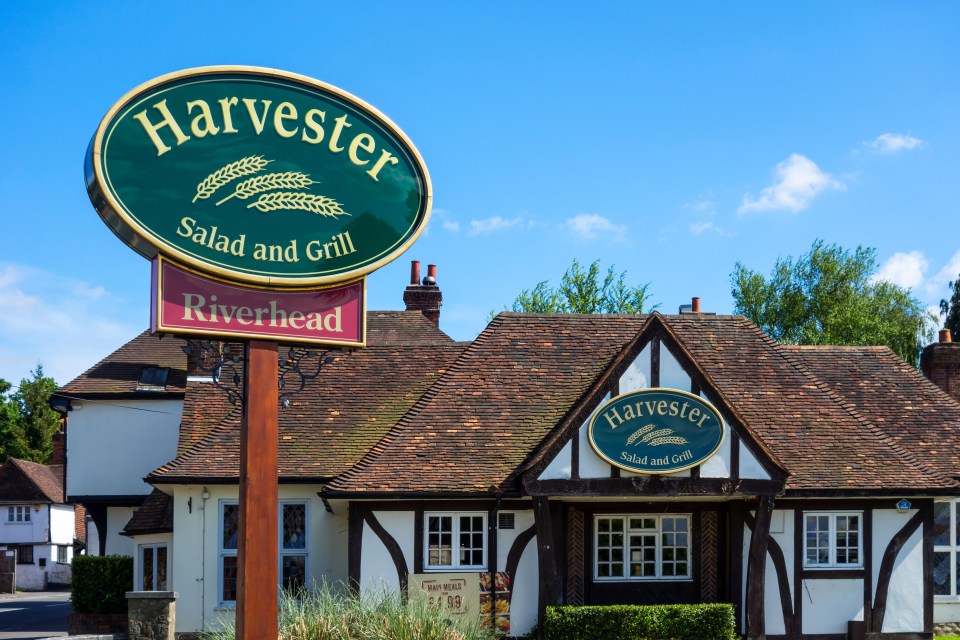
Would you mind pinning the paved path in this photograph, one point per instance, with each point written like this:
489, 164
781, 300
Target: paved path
27, 616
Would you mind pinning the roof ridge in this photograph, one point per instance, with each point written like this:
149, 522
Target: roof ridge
877, 432
381, 445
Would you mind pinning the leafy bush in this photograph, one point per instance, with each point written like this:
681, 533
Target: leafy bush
99, 584
328, 614
626, 622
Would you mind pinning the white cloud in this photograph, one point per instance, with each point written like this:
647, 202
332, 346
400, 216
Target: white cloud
893, 142
702, 205
67, 325
590, 226
450, 225
903, 269
798, 180
949, 273
698, 228
492, 225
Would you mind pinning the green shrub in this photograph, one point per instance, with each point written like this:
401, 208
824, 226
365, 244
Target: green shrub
329, 614
99, 584
655, 622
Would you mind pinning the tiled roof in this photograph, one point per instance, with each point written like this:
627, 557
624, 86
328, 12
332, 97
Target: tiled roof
525, 373
23, 481
119, 373
155, 515
823, 442
504, 395
448, 418
328, 426
915, 414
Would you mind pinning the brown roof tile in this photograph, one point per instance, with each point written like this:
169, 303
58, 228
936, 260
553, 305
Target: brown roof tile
155, 515
23, 481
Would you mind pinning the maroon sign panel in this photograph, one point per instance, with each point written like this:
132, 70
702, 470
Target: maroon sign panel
186, 302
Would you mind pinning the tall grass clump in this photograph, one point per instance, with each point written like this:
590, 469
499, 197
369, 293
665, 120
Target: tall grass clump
324, 613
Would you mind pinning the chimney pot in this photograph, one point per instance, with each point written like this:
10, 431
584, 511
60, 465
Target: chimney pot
432, 271
695, 305
945, 335
414, 272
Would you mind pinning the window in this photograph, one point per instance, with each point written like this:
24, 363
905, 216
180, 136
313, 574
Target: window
18, 514
946, 544
293, 545
62, 555
832, 540
153, 379
25, 554
294, 553
456, 541
153, 567
229, 532
642, 547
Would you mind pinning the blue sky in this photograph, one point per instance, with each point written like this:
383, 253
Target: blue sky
669, 139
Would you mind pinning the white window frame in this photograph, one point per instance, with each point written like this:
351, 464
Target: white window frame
953, 549
657, 532
153, 549
454, 547
18, 514
832, 535
304, 551
65, 551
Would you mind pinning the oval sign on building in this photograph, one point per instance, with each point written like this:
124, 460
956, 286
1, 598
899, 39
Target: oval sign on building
656, 431
258, 176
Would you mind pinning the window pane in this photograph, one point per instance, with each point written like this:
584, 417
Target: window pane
229, 578
956, 574
231, 525
294, 569
294, 526
161, 568
941, 573
941, 523
146, 568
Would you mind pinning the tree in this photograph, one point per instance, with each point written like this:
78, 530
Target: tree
950, 310
829, 296
582, 291
27, 423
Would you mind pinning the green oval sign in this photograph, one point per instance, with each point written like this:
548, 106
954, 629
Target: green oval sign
257, 175
656, 431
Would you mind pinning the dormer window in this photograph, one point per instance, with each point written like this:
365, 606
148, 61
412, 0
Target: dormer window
153, 379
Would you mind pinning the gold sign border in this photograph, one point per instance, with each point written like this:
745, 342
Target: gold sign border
638, 392
146, 245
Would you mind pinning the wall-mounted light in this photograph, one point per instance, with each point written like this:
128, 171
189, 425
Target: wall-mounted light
206, 494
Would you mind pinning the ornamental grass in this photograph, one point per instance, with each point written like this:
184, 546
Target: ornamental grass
325, 613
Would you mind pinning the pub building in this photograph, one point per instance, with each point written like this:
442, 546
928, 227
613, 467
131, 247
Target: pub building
821, 504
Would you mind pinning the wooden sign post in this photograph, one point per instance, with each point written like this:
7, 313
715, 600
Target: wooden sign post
257, 584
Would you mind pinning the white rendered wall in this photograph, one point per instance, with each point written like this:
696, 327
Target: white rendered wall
904, 611
195, 552
591, 465
377, 569
111, 447
749, 467
33, 577
117, 519
637, 375
62, 524
23, 532
526, 584
718, 465
829, 604
672, 376
560, 467
781, 530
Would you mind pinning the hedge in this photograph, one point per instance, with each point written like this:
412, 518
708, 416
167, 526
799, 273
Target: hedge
99, 584
627, 622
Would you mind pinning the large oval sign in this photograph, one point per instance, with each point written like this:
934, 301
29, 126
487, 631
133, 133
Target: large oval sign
656, 431
257, 175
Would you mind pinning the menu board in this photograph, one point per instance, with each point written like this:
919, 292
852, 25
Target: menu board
468, 594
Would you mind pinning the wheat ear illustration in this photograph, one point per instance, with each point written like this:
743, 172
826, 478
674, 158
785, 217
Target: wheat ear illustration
639, 432
269, 182
282, 200
659, 433
656, 442
223, 175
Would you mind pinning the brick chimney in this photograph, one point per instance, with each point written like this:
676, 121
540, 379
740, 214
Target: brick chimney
425, 296
59, 455
940, 362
